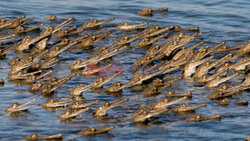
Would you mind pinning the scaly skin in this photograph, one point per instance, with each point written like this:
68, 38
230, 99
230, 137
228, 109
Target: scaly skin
76, 91
49, 88
173, 94
155, 88
49, 63
62, 24
178, 41
129, 26
26, 62
219, 95
51, 137
152, 91
78, 64
186, 51
80, 105
116, 87
222, 70
33, 78
207, 78
96, 84
102, 109
64, 32
14, 24
41, 45
164, 103
4, 51
95, 23
186, 107
143, 115
207, 66
227, 101
14, 108
93, 131
178, 28
125, 40
149, 12
202, 52
21, 76
151, 29
7, 23
35, 87
190, 67
86, 44
54, 52
26, 42
21, 29
158, 52
100, 82
54, 103
149, 41
1, 82
52, 17
240, 65
218, 80
245, 49
227, 49
155, 31
199, 118
62, 43
71, 114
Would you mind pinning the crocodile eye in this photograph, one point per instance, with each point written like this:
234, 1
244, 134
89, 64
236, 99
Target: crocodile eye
126, 38
26, 39
230, 55
149, 10
204, 50
119, 84
92, 129
94, 37
148, 58
126, 23
34, 136
177, 27
101, 79
224, 87
165, 100
78, 61
15, 105
171, 92
107, 104
157, 47
182, 34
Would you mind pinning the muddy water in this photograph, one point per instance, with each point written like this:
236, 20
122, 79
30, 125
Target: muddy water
219, 20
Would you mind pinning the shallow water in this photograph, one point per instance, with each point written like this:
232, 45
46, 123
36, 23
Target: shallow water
219, 20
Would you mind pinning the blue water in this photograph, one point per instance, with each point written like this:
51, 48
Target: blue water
219, 20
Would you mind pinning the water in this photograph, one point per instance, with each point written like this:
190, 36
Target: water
219, 20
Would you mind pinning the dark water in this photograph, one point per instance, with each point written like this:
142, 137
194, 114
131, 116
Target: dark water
219, 20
